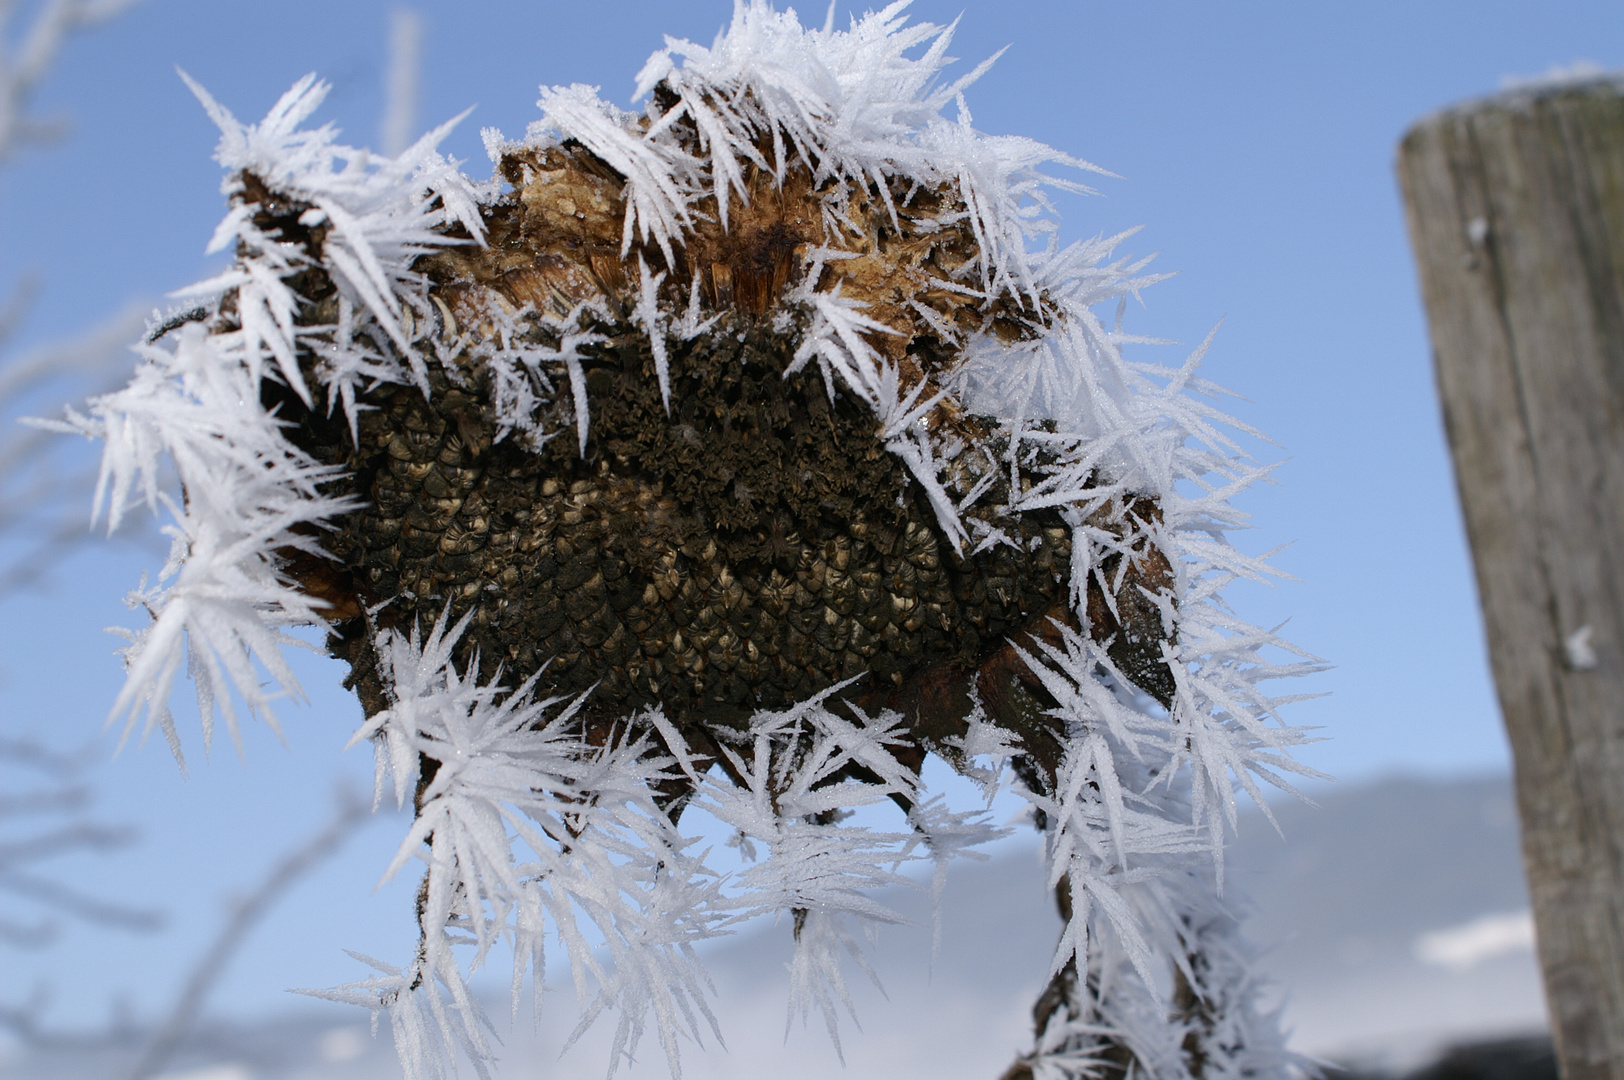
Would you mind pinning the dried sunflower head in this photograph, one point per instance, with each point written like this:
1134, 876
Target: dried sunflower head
721, 468
737, 452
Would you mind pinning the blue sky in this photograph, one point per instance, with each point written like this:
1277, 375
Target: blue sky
1253, 141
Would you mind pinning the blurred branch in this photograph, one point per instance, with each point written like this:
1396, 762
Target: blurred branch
83, 905
76, 836
245, 913
30, 936
44, 801
400, 91
16, 307
27, 752
65, 832
23, 1022
27, 56
45, 486
85, 354
42, 500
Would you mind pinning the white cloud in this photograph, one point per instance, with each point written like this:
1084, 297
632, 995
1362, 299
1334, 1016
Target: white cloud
212, 1072
1469, 944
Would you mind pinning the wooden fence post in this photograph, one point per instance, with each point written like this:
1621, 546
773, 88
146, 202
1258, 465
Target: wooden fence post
1516, 213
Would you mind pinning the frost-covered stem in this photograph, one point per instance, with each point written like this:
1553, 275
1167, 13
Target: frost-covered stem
1065, 1001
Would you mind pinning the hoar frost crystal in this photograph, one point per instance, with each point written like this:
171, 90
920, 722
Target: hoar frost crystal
733, 454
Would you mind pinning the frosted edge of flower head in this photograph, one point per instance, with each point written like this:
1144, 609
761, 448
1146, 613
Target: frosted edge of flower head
194, 403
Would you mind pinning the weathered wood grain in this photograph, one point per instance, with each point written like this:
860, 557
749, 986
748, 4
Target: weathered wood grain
1516, 214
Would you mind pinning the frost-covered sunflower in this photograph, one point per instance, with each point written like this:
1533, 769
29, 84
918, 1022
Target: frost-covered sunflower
736, 453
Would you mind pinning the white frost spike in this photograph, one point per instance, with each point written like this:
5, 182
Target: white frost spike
657, 173
222, 602
915, 451
984, 740
855, 108
415, 673
791, 803
381, 211
265, 305
692, 324
948, 835
521, 377
512, 776
836, 339
583, 410
648, 313
427, 1029
247, 497
571, 340
815, 977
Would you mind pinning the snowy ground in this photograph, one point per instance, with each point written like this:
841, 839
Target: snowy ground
1395, 912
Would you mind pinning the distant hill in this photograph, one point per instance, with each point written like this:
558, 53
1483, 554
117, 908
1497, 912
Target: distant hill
1347, 901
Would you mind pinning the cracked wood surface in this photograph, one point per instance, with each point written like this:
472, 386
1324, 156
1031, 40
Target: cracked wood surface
1515, 207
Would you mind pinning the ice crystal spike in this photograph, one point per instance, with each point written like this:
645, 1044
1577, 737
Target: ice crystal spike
851, 472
